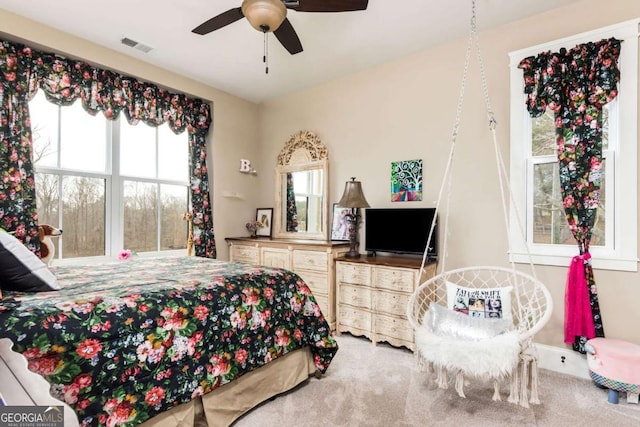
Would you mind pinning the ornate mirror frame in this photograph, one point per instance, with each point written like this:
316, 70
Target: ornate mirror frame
302, 152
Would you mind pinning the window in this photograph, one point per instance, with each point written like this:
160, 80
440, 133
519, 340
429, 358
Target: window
549, 225
109, 185
307, 188
539, 232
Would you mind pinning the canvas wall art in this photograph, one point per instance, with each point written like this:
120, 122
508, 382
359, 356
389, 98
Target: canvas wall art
406, 181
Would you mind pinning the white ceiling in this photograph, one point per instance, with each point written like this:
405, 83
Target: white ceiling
230, 58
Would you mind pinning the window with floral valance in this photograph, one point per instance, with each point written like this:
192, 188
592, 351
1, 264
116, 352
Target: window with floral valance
24, 70
574, 162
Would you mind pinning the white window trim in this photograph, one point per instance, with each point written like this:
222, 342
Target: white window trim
622, 253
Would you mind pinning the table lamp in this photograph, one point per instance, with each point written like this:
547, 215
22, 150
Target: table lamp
353, 198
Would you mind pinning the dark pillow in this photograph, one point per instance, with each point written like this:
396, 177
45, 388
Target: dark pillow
21, 270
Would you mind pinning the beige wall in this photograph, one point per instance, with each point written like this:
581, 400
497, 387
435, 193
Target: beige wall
397, 111
233, 135
405, 110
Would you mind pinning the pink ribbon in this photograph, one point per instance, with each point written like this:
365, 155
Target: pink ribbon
578, 318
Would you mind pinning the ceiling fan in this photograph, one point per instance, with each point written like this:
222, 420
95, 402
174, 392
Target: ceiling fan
271, 16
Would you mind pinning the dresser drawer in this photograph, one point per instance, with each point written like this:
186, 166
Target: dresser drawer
395, 279
317, 282
393, 327
359, 319
276, 257
242, 253
353, 273
310, 260
391, 303
357, 296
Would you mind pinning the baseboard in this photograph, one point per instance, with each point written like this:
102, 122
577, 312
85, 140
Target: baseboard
562, 360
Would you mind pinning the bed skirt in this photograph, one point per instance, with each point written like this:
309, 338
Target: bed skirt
220, 407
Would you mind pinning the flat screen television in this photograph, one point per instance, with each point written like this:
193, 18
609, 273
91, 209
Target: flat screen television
400, 231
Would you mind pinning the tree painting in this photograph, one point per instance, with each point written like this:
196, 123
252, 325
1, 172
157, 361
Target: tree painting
406, 181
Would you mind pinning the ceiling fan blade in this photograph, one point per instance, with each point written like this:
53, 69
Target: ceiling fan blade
329, 5
217, 22
288, 37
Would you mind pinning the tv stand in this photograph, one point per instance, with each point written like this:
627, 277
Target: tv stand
372, 297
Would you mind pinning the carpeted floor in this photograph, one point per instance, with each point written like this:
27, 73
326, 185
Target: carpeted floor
369, 385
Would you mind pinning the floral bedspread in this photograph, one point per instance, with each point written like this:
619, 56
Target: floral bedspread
123, 342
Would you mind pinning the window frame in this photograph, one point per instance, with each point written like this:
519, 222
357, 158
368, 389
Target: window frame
114, 192
620, 250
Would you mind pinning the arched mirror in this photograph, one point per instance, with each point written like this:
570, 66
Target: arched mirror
302, 188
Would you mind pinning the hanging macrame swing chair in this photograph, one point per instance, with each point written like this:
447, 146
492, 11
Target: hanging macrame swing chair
456, 345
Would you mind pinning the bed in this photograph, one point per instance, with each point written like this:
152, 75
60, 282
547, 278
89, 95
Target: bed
171, 341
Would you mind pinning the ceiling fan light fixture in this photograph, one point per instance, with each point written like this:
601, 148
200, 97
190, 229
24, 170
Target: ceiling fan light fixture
264, 15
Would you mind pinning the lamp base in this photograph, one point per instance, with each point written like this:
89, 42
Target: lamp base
352, 254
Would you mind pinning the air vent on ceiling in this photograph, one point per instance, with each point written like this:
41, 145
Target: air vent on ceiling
134, 44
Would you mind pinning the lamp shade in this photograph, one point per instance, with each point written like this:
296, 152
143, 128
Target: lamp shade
264, 15
353, 196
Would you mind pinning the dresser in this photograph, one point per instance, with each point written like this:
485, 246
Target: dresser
373, 293
312, 260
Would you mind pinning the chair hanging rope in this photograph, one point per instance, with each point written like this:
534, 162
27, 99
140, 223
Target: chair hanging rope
503, 178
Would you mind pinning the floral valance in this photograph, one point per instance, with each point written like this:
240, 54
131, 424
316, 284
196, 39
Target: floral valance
64, 80
585, 76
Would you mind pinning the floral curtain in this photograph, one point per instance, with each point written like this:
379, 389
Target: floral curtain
575, 84
23, 70
292, 210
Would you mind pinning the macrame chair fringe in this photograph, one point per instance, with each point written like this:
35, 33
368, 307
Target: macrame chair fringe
514, 388
524, 382
441, 379
496, 391
460, 384
518, 389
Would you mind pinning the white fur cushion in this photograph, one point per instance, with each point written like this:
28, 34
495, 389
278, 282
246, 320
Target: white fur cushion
480, 302
494, 357
480, 347
21, 270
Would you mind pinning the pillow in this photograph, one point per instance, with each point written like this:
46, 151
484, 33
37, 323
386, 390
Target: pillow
21, 270
480, 302
453, 324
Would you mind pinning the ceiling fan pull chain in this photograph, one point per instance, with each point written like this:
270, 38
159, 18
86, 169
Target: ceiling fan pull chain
265, 57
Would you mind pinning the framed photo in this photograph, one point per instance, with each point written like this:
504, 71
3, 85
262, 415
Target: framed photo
340, 223
265, 217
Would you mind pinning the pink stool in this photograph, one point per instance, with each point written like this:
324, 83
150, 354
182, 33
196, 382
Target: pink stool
615, 364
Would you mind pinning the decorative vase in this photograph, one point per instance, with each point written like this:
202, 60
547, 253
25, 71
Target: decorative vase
252, 228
